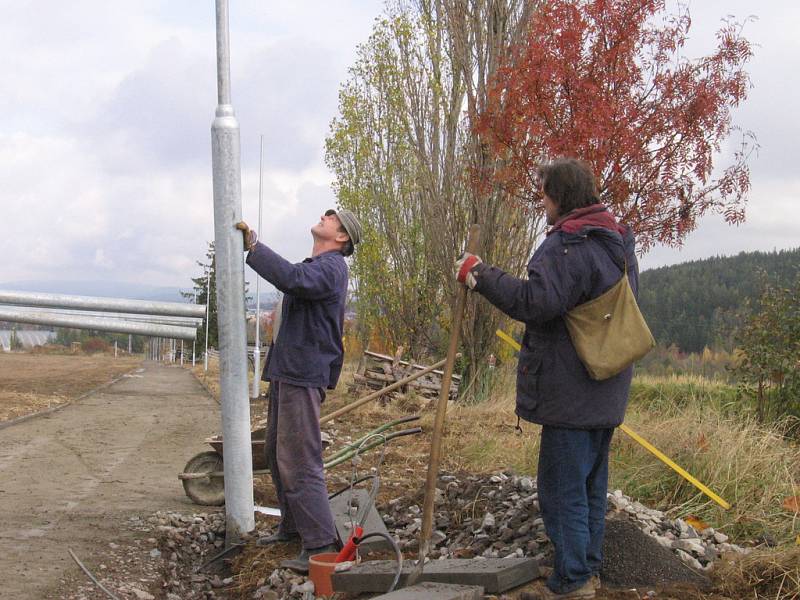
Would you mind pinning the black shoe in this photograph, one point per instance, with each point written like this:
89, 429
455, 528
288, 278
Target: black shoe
300, 564
277, 538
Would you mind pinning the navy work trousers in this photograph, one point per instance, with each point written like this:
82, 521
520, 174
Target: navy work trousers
294, 456
573, 483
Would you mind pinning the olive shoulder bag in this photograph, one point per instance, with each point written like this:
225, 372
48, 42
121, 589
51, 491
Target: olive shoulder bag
609, 332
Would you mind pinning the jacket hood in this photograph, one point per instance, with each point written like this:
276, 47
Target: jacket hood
596, 220
593, 216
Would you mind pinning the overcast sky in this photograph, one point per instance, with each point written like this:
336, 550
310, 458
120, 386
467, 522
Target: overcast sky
105, 110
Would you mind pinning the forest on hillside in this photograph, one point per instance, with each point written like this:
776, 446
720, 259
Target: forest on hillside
701, 303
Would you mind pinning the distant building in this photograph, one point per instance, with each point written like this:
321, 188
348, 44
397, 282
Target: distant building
27, 337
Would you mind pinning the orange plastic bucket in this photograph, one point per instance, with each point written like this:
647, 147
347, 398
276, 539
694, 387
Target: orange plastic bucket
320, 568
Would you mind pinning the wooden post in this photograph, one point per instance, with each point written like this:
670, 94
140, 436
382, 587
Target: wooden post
441, 412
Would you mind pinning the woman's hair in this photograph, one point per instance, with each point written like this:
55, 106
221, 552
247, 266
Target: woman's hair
569, 183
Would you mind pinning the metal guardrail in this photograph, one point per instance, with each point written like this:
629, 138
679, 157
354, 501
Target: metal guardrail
120, 305
97, 323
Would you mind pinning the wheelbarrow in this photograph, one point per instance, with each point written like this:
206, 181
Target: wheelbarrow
203, 476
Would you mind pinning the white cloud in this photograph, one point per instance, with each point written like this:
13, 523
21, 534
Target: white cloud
105, 118
105, 130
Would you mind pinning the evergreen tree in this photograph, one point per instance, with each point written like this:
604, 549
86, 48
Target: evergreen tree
702, 303
201, 295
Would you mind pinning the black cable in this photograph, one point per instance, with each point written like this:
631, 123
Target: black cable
348, 486
398, 554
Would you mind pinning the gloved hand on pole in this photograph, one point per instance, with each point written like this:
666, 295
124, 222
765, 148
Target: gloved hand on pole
249, 236
465, 264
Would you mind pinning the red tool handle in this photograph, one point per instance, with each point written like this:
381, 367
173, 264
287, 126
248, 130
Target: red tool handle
349, 550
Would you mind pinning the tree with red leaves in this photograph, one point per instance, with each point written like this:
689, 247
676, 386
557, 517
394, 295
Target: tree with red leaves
605, 81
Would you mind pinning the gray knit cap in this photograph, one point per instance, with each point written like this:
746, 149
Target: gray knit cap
351, 225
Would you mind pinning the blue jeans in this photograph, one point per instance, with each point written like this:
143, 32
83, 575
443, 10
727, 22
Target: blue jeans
573, 482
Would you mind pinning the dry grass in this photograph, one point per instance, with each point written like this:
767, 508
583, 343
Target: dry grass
773, 574
31, 383
750, 466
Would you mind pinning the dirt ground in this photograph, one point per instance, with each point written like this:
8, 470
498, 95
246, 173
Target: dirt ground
86, 477
90, 477
31, 383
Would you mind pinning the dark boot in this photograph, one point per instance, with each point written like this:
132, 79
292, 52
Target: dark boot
300, 564
277, 538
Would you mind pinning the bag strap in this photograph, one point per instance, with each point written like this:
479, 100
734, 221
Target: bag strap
614, 258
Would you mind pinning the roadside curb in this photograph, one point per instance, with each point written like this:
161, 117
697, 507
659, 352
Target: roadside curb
49, 411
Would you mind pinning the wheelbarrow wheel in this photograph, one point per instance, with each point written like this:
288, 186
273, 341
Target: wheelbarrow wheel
208, 491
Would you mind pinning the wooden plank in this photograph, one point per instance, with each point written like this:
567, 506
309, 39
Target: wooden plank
384, 358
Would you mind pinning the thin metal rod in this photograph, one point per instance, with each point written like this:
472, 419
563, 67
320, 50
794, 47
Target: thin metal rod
123, 305
473, 240
96, 323
194, 342
231, 324
208, 316
257, 351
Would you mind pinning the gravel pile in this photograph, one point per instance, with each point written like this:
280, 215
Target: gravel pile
477, 517
498, 516
184, 543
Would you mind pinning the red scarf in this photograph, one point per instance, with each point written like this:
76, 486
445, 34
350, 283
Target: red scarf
595, 215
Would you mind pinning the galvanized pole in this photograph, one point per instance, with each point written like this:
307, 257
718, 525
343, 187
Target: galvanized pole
181, 352
208, 315
257, 352
130, 344
115, 348
231, 326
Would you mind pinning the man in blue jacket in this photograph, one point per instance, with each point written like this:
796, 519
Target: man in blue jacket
305, 360
584, 254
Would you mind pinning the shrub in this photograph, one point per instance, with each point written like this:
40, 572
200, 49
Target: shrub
94, 345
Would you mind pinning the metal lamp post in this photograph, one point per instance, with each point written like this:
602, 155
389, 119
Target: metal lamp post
231, 328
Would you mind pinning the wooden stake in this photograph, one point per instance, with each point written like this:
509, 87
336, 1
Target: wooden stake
441, 412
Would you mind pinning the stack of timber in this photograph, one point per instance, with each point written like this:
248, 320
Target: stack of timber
376, 371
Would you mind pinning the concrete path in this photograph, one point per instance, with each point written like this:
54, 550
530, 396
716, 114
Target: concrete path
74, 478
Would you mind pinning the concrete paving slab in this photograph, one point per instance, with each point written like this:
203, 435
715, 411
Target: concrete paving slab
340, 507
495, 575
435, 591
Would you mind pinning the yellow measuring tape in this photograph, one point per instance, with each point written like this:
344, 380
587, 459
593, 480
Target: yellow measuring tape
643, 442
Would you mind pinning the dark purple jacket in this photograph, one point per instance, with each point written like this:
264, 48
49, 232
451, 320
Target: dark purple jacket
308, 351
569, 268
